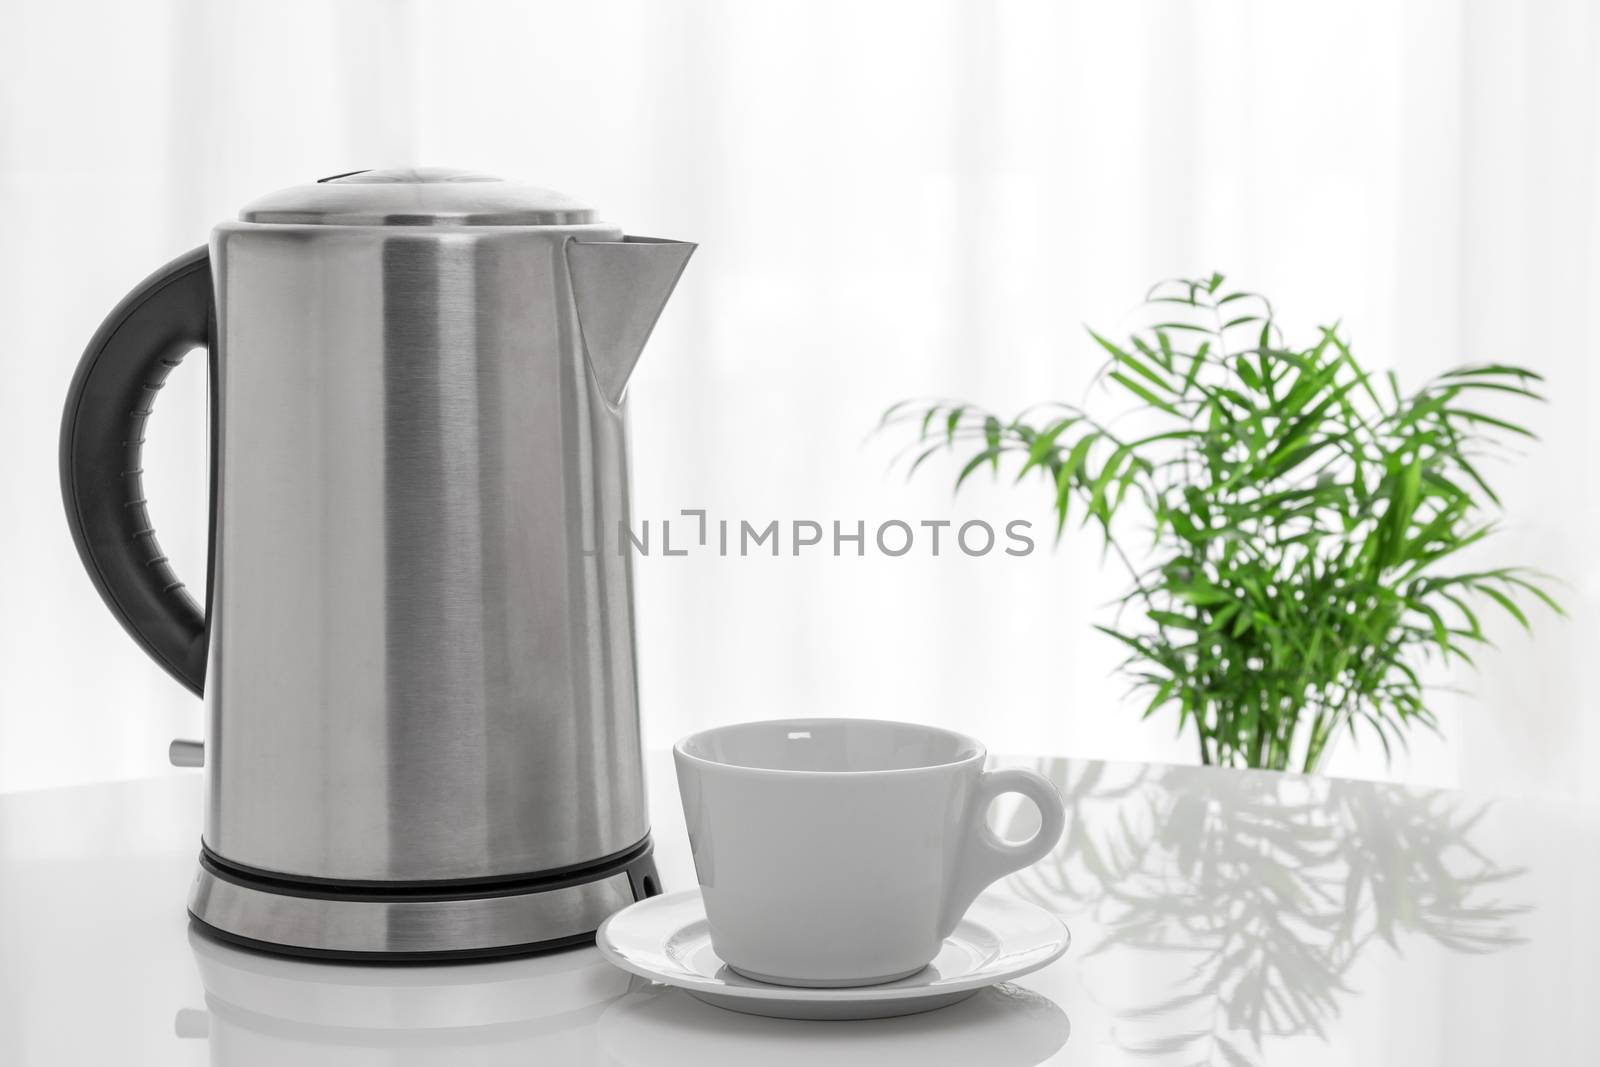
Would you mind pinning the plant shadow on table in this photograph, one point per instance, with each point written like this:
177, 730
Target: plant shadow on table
1250, 897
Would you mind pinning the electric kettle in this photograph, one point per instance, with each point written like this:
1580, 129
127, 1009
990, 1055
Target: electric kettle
418, 666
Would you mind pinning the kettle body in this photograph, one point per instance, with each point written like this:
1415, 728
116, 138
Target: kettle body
417, 657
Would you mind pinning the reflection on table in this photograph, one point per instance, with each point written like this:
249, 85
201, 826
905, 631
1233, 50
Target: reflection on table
562, 1008
1243, 900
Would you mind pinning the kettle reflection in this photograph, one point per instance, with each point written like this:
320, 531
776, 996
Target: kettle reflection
264, 1011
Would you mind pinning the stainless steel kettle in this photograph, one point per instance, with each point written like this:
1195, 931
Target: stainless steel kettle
419, 676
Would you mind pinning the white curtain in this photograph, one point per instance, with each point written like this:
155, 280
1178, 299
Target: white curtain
893, 200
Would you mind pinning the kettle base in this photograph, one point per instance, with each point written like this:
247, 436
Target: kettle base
416, 923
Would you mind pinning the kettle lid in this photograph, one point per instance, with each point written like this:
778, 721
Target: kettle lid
417, 196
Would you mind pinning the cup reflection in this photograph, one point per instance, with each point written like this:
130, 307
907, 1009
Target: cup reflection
1002, 1026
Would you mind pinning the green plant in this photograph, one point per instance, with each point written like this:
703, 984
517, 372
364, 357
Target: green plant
1307, 520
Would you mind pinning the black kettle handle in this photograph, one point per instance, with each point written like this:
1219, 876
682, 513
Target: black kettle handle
102, 436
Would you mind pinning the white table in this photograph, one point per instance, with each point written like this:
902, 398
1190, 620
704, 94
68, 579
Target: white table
1218, 917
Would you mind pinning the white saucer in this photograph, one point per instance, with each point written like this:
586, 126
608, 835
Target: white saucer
666, 939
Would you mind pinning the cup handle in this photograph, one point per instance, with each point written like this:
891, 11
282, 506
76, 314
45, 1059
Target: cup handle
988, 857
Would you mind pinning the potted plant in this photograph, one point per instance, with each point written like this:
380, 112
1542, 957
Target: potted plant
1307, 520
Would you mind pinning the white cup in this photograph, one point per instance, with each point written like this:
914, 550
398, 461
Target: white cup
835, 852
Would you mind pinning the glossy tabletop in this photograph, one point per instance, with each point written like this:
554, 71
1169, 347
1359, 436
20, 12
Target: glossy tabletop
1218, 917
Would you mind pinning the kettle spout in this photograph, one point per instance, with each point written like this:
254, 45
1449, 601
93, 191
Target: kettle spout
619, 288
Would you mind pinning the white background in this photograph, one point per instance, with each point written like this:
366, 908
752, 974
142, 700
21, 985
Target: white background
892, 200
